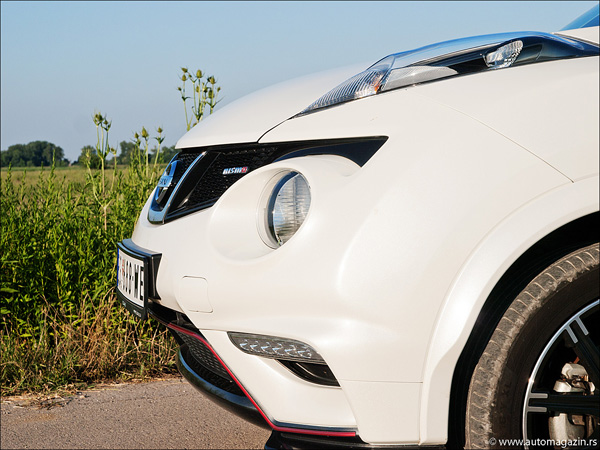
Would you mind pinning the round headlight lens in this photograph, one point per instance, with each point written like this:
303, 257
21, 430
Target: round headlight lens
288, 206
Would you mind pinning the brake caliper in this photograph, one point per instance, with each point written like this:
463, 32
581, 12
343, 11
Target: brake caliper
565, 427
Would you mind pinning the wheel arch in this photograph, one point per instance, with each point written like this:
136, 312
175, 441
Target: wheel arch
559, 243
521, 246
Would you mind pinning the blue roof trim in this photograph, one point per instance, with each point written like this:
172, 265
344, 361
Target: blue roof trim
588, 19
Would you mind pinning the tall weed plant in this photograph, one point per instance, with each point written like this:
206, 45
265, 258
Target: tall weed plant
60, 323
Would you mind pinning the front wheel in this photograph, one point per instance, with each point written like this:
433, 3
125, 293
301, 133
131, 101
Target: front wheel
536, 384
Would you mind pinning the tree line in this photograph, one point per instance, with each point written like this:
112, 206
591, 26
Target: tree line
43, 153
36, 153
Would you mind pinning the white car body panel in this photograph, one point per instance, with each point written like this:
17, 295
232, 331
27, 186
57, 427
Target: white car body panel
562, 139
590, 34
395, 258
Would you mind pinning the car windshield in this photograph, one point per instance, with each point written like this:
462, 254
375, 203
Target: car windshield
587, 19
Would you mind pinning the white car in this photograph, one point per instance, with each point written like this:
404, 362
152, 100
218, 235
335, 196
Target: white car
404, 254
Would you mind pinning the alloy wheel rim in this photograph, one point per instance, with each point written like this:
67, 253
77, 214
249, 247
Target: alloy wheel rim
573, 342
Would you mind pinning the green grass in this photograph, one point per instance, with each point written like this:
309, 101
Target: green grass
60, 321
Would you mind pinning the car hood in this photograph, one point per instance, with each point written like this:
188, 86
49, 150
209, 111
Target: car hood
247, 119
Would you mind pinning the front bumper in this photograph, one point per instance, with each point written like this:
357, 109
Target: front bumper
200, 364
202, 367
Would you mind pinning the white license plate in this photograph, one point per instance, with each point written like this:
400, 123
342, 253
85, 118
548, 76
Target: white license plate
132, 282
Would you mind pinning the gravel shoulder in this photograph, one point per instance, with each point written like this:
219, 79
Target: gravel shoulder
158, 414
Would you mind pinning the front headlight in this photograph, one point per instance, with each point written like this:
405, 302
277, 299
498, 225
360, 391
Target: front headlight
287, 207
361, 85
452, 58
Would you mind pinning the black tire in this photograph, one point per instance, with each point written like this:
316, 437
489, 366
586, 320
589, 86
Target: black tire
526, 345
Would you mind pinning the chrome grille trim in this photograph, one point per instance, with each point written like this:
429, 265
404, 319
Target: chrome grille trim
159, 216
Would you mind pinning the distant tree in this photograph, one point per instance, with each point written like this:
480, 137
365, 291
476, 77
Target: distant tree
124, 156
36, 153
89, 154
15, 156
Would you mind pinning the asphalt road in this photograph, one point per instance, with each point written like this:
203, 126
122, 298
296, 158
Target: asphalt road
158, 414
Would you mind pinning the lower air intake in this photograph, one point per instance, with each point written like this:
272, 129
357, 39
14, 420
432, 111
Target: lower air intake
202, 361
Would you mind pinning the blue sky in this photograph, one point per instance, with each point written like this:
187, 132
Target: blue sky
62, 61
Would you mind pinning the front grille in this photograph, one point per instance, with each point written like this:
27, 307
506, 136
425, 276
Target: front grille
214, 183
202, 361
186, 159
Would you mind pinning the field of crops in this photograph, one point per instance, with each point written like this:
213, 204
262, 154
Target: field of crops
30, 175
61, 323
